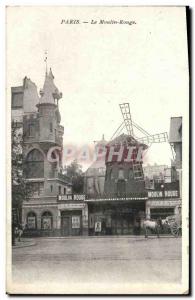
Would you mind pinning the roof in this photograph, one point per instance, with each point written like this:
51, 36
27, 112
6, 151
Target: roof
31, 98
49, 92
102, 142
125, 139
25, 96
99, 163
175, 133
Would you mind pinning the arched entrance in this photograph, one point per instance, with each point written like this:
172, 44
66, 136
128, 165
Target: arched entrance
47, 220
31, 220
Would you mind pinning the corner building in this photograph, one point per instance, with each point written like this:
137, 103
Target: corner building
44, 212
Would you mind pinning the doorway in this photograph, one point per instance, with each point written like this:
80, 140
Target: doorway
71, 223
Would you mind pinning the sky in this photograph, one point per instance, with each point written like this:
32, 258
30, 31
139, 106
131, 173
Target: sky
97, 67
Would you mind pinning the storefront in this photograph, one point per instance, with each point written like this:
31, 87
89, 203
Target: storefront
71, 222
161, 204
68, 216
115, 217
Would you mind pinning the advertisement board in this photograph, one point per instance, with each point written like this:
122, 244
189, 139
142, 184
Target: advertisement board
31, 222
98, 226
76, 222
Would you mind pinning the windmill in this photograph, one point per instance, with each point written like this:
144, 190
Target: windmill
146, 138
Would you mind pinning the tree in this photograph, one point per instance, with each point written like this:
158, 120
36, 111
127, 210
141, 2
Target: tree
75, 173
20, 189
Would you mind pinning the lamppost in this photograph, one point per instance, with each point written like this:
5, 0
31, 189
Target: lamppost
163, 193
163, 190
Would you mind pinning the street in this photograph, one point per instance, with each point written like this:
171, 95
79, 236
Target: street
110, 259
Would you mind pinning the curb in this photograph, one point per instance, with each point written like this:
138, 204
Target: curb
30, 244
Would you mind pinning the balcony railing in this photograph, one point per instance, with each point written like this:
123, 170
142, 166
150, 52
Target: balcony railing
64, 178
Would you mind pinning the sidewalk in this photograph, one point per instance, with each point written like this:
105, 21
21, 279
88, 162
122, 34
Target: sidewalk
24, 243
105, 237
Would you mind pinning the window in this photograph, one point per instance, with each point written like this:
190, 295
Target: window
64, 191
162, 213
121, 174
60, 189
51, 127
31, 220
76, 222
138, 171
17, 100
31, 130
36, 188
34, 165
51, 188
46, 221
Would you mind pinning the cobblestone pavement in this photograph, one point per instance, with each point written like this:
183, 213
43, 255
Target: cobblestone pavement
110, 259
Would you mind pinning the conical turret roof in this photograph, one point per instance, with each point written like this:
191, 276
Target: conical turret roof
49, 92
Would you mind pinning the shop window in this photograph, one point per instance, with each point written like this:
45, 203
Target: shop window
76, 222
46, 221
162, 213
31, 220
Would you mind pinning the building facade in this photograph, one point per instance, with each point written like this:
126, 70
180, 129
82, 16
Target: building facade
175, 140
94, 176
45, 212
116, 199
166, 198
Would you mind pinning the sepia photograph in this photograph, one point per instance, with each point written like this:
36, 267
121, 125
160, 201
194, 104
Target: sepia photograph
98, 150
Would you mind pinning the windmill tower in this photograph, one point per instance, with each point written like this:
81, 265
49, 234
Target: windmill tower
125, 176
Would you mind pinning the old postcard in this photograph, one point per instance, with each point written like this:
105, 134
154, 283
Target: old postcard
98, 131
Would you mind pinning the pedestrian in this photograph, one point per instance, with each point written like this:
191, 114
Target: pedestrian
20, 233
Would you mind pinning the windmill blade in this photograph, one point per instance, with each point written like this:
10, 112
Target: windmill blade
155, 138
125, 110
140, 129
117, 132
